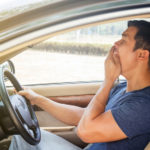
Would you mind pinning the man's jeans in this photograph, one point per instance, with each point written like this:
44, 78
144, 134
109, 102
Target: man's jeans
49, 141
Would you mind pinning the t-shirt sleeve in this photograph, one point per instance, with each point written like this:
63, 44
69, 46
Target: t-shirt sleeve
133, 116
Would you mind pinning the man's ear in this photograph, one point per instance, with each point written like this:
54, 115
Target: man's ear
142, 54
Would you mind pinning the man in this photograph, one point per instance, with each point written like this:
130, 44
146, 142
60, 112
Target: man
118, 118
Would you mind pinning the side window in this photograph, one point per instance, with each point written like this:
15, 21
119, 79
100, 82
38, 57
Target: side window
70, 57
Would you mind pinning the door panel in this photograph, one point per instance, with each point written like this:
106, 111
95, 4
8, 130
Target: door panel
67, 89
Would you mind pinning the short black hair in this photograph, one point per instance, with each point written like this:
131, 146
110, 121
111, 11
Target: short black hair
142, 36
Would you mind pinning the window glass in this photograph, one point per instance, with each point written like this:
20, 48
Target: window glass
75, 56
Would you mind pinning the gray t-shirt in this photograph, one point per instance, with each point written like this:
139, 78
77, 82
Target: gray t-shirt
131, 111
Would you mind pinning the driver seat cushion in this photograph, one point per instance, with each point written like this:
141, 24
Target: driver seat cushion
147, 147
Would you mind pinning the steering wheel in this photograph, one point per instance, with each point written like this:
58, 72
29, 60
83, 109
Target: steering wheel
20, 110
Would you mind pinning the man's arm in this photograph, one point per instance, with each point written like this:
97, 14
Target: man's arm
96, 125
68, 114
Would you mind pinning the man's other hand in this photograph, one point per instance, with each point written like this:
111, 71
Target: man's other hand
112, 65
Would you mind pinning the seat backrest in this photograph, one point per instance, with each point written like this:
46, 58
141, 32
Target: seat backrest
147, 147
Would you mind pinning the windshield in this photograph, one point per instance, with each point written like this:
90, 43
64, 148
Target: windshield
10, 8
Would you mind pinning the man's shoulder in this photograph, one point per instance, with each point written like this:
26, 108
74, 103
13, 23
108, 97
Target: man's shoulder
141, 92
141, 95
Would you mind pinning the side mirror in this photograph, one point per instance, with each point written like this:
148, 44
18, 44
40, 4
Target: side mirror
9, 66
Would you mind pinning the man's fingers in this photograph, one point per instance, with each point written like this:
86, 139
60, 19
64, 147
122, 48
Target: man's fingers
23, 93
111, 51
113, 55
116, 58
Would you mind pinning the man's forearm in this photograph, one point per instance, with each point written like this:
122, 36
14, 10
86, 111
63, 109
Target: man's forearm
66, 113
97, 105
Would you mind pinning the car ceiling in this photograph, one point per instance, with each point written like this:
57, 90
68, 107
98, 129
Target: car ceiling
31, 27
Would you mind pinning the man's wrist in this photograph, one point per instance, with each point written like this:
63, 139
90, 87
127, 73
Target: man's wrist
37, 99
108, 83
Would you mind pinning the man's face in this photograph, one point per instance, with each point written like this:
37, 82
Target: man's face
125, 47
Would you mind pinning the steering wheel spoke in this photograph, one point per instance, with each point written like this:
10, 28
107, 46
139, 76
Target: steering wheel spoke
29, 130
